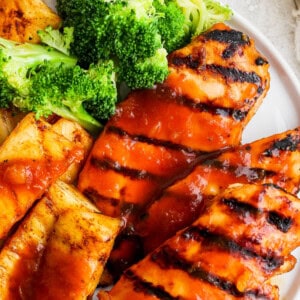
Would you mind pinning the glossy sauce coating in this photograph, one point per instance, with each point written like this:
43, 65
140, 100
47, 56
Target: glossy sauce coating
230, 252
30, 160
273, 159
157, 135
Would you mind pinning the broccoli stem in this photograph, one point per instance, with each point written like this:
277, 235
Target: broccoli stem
81, 116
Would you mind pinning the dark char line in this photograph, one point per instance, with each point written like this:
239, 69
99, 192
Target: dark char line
228, 36
228, 73
152, 141
94, 196
235, 74
106, 164
234, 39
147, 288
274, 218
168, 258
252, 174
289, 143
228, 112
269, 263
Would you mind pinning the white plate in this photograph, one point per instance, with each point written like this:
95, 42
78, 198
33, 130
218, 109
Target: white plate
280, 111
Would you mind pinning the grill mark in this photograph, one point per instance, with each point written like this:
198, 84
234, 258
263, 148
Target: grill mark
230, 51
281, 222
152, 141
106, 164
228, 36
289, 143
269, 263
187, 61
234, 74
228, 73
147, 288
125, 207
168, 258
228, 112
94, 196
241, 208
252, 174
234, 39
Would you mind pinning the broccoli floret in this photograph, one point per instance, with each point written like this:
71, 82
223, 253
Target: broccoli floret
123, 30
145, 73
40, 79
200, 15
18, 62
133, 32
56, 39
171, 25
103, 75
91, 20
180, 21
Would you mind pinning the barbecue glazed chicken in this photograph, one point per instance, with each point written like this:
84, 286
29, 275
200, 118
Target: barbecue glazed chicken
157, 135
274, 159
243, 238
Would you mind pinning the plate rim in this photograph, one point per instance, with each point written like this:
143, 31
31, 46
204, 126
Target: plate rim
292, 83
266, 47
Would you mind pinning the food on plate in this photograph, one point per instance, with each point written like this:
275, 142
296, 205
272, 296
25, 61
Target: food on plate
137, 35
59, 250
8, 121
157, 135
78, 136
43, 80
274, 159
240, 242
21, 19
169, 154
32, 157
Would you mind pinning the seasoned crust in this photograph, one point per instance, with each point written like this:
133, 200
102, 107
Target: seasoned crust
20, 19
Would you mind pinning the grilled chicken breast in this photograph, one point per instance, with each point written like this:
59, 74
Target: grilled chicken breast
156, 135
31, 159
244, 237
59, 250
274, 159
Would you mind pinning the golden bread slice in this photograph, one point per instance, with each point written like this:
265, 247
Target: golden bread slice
8, 121
21, 19
31, 159
59, 250
75, 133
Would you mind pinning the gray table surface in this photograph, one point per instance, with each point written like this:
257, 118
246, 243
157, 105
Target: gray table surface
273, 18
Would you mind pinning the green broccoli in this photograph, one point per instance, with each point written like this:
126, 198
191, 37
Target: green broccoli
181, 20
200, 15
134, 29
40, 79
171, 25
145, 73
91, 20
123, 30
132, 32
56, 39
